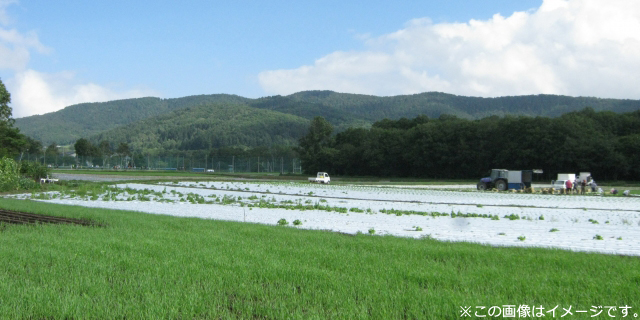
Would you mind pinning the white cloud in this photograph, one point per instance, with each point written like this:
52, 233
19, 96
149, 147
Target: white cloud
34, 92
15, 48
38, 93
4, 18
571, 47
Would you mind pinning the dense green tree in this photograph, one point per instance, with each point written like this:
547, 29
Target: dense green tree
5, 110
52, 150
123, 149
105, 148
11, 140
604, 143
313, 147
83, 148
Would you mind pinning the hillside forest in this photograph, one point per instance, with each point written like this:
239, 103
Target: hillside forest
429, 135
606, 144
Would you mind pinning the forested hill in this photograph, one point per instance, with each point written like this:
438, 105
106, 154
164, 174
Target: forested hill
209, 126
86, 119
340, 109
433, 104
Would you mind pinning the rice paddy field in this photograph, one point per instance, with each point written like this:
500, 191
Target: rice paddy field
239, 249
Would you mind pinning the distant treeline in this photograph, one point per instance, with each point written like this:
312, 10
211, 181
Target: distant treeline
607, 144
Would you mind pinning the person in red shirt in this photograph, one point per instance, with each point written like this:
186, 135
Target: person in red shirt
569, 185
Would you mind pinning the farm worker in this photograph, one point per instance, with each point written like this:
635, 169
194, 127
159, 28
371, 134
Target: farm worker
583, 185
593, 185
569, 185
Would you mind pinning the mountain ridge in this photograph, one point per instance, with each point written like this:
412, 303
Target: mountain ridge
343, 110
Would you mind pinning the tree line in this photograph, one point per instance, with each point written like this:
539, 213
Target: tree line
607, 144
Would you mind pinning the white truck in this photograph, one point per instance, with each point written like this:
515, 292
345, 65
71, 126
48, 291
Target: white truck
321, 177
567, 176
586, 176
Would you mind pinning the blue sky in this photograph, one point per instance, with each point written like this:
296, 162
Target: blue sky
58, 53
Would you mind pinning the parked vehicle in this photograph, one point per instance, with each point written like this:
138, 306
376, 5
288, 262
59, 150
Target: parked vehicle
321, 177
503, 179
584, 176
559, 184
567, 176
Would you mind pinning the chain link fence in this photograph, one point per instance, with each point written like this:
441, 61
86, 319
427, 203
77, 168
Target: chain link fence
187, 163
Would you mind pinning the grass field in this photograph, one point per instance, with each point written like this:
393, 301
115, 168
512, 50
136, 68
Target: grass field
148, 266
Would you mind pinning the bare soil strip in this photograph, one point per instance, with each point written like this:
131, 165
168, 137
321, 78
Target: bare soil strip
16, 217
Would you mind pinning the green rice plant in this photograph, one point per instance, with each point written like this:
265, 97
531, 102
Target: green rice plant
418, 228
227, 199
372, 231
297, 222
593, 221
512, 216
554, 230
598, 237
356, 210
541, 217
282, 222
522, 238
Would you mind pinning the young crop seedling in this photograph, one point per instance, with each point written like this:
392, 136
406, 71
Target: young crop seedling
282, 222
598, 237
512, 216
541, 217
297, 222
522, 238
372, 231
554, 230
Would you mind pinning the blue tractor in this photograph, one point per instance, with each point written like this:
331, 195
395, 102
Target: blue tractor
503, 179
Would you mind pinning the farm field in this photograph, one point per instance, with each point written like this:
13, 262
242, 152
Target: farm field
592, 223
158, 266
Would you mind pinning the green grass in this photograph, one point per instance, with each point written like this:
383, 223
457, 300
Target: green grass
154, 266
